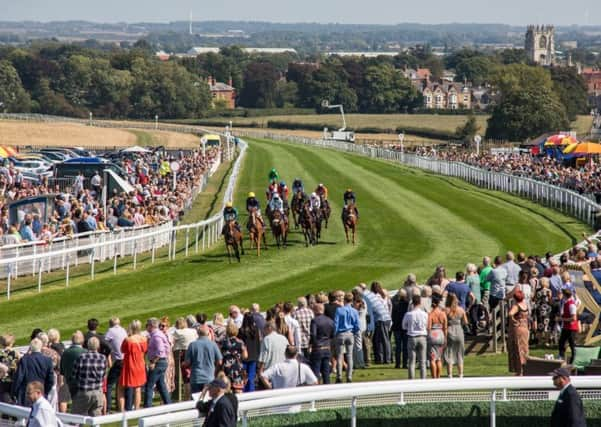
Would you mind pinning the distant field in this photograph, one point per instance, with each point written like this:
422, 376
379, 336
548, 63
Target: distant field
21, 133
385, 122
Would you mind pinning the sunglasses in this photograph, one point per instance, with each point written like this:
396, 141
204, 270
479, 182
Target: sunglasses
162, 326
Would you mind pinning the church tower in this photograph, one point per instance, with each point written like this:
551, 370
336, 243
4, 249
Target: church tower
540, 44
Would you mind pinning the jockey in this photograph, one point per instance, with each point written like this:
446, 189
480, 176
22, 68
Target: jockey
253, 203
297, 186
230, 213
349, 197
276, 204
273, 175
314, 203
272, 189
322, 191
283, 190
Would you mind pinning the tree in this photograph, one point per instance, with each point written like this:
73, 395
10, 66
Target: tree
513, 56
13, 97
476, 69
468, 130
386, 91
528, 104
572, 90
259, 89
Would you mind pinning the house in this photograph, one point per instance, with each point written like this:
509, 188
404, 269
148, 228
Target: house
447, 96
223, 91
482, 98
592, 78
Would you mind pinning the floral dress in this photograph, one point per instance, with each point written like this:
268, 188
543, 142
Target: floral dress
231, 349
9, 358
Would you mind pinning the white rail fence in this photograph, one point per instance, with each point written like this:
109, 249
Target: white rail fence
310, 399
562, 199
38, 260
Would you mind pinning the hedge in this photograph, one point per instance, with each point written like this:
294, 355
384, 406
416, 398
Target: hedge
509, 414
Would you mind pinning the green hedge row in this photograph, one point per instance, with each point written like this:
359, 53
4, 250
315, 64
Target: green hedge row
509, 414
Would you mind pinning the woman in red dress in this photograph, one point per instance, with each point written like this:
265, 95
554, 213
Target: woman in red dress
133, 374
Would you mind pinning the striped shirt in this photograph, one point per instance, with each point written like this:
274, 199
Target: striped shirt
377, 307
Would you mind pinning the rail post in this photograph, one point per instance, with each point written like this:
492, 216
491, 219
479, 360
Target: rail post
196, 243
493, 409
354, 412
8, 285
68, 260
153, 249
187, 241
40, 275
92, 262
135, 253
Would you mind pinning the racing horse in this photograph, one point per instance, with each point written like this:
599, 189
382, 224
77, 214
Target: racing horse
233, 240
256, 231
279, 228
307, 223
325, 211
349, 220
297, 205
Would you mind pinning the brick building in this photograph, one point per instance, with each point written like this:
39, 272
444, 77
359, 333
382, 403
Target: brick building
223, 91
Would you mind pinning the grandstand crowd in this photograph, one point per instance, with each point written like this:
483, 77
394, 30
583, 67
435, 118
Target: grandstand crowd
79, 209
423, 323
584, 180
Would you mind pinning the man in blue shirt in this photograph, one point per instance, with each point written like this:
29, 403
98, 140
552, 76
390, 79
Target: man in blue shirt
202, 357
461, 290
346, 330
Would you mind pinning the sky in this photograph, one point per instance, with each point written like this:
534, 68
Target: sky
515, 12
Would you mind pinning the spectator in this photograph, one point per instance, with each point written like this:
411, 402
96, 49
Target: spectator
114, 337
497, 278
42, 414
457, 319
89, 371
219, 411
512, 269
303, 316
437, 335
183, 335
9, 358
484, 280
400, 306
461, 290
543, 307
54, 341
568, 410
518, 333
380, 316
273, 348
359, 305
159, 349
34, 366
259, 319
250, 335
234, 351
93, 324
235, 316
203, 358
293, 325
321, 336
346, 330
569, 328
473, 281
133, 372
288, 373
69, 387
415, 322
218, 328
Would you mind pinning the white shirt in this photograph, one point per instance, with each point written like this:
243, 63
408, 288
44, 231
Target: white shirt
42, 415
287, 374
415, 322
294, 326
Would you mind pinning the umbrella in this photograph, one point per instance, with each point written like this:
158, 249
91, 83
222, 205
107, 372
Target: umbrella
4, 153
560, 139
587, 148
10, 150
570, 148
135, 149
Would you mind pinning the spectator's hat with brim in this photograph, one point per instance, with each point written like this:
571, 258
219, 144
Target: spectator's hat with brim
219, 383
560, 372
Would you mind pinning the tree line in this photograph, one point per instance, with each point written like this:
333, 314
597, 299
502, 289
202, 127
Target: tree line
61, 79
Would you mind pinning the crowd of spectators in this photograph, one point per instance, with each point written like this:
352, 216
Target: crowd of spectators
79, 209
584, 180
322, 338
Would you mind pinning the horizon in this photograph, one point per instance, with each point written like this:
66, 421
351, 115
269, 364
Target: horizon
377, 12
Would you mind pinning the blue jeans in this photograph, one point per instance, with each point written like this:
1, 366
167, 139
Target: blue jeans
251, 370
320, 364
156, 376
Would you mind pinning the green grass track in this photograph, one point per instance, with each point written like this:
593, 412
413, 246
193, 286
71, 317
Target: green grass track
410, 222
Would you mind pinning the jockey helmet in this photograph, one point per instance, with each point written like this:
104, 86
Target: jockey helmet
282, 184
320, 185
350, 190
251, 194
276, 196
314, 194
273, 170
229, 204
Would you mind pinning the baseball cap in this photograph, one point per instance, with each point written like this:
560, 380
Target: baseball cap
560, 372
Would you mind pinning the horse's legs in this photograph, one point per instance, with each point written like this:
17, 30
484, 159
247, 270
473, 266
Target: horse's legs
241, 244
354, 235
236, 251
346, 232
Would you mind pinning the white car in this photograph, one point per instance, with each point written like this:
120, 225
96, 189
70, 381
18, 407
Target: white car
37, 167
